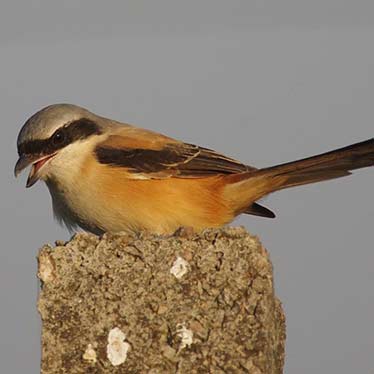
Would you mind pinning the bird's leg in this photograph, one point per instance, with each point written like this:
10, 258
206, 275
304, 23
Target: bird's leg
185, 232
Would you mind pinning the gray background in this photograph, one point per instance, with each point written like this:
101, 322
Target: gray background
263, 81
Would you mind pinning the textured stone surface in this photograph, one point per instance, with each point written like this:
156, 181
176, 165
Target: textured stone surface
219, 316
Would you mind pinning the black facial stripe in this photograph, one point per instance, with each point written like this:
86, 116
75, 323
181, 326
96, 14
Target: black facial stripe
70, 133
32, 147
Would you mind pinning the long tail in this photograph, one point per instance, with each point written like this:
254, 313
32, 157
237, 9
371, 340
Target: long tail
330, 165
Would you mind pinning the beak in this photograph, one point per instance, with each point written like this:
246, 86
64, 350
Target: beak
23, 162
37, 162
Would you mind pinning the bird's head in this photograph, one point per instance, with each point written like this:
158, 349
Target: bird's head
50, 135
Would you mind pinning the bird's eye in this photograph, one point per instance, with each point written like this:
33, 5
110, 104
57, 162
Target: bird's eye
58, 137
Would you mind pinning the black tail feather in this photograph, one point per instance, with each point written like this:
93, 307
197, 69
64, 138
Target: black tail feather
330, 165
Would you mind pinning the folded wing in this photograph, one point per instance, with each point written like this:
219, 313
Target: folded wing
164, 158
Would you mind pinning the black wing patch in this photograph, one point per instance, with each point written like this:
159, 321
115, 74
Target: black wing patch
184, 160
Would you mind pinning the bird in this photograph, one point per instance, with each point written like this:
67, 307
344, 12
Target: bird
108, 176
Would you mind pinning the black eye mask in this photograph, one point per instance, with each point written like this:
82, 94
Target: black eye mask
70, 133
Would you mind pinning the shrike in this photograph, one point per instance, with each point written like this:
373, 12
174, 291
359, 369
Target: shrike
104, 175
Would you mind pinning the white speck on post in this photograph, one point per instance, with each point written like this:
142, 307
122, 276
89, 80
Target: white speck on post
179, 268
46, 272
90, 354
185, 334
117, 347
